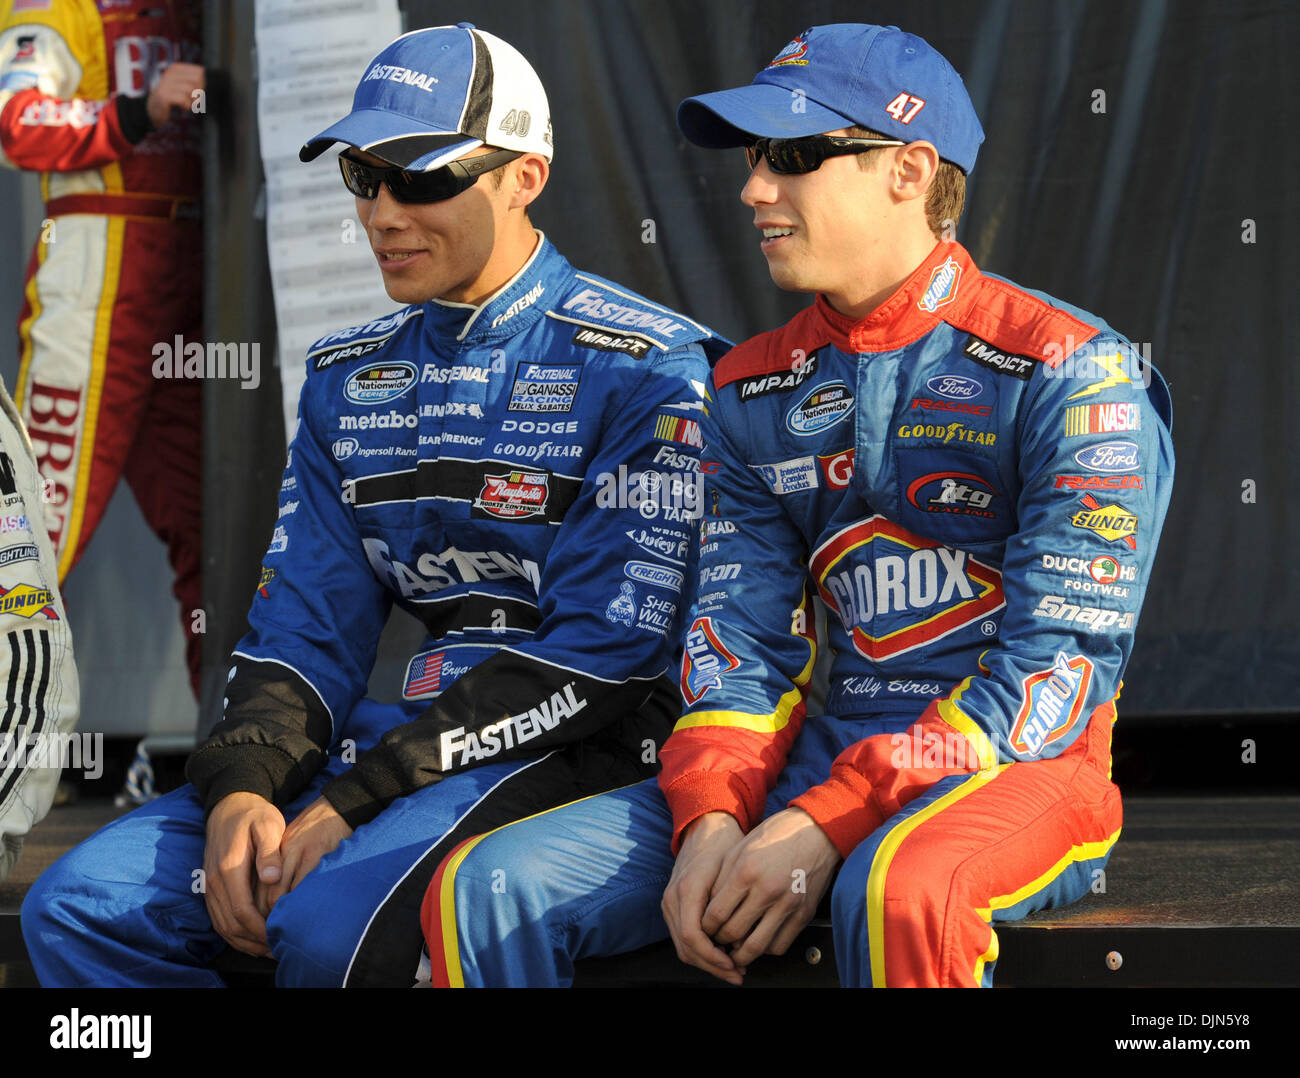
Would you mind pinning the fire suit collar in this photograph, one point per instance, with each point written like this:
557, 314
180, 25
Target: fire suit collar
940, 289
512, 307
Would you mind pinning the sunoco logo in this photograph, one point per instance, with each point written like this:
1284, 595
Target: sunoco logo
1110, 457
380, 383
820, 409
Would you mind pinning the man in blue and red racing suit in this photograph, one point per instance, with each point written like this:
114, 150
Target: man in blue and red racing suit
973, 478
511, 460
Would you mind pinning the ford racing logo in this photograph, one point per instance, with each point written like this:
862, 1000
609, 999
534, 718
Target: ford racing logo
380, 383
1109, 457
954, 386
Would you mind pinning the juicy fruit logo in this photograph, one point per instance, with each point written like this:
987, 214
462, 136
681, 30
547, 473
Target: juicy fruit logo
794, 54
27, 601
513, 495
380, 383
821, 409
942, 288
1112, 522
704, 661
1050, 703
896, 592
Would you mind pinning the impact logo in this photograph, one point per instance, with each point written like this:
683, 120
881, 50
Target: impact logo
514, 495
27, 601
821, 409
794, 54
896, 592
1111, 522
1050, 703
704, 661
942, 288
380, 383
952, 492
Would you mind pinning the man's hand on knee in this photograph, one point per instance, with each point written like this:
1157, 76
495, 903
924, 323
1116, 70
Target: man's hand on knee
242, 852
769, 886
315, 831
703, 849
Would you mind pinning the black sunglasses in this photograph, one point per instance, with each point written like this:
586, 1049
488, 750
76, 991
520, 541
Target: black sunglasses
792, 156
363, 180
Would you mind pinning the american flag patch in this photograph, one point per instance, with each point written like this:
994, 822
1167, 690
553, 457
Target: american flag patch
425, 673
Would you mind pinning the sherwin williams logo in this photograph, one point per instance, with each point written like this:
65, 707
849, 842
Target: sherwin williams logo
942, 288
1051, 701
896, 592
820, 410
1109, 457
27, 601
954, 386
705, 660
1112, 522
380, 383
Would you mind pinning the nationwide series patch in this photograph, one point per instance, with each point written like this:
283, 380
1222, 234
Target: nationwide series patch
544, 387
380, 383
988, 355
27, 601
705, 660
1102, 418
1051, 701
514, 495
675, 428
895, 591
1112, 522
821, 409
779, 381
634, 346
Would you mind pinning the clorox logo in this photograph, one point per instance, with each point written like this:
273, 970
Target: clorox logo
942, 288
1050, 702
896, 592
380, 383
704, 661
794, 54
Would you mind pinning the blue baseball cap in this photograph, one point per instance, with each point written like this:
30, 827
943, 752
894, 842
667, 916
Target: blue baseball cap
435, 94
844, 75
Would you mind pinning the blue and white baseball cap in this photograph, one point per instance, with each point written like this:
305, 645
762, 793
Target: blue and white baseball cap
844, 75
435, 94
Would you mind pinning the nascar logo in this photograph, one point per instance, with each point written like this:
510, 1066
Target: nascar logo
1102, 418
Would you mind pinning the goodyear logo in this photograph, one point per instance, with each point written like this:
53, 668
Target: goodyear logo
1112, 522
895, 591
27, 601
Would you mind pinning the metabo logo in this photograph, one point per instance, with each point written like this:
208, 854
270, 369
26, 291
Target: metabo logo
705, 660
895, 591
1051, 701
380, 383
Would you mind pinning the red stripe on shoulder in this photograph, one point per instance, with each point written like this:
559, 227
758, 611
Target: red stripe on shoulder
776, 350
1014, 321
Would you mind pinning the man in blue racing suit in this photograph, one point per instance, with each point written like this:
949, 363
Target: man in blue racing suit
510, 459
973, 477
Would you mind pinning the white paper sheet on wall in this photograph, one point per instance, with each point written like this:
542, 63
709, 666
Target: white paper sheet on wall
310, 54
